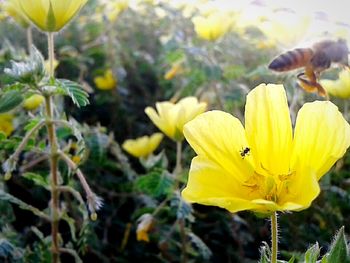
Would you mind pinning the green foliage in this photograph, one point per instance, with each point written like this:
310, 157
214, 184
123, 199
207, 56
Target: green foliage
31, 71
10, 100
156, 183
74, 91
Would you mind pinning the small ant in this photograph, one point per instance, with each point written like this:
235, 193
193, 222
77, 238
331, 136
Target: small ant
244, 152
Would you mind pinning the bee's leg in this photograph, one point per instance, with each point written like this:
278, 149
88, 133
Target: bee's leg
308, 81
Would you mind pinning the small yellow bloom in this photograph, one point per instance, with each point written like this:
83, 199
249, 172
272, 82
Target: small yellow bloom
264, 167
6, 123
33, 102
175, 70
106, 82
114, 8
143, 146
51, 15
211, 27
170, 118
13, 8
339, 88
47, 64
144, 226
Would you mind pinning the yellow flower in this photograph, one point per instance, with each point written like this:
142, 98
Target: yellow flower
144, 226
212, 27
33, 102
13, 8
106, 82
263, 167
113, 9
47, 64
6, 123
171, 117
340, 87
51, 15
175, 70
143, 146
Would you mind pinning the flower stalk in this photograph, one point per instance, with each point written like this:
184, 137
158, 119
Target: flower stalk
53, 158
178, 167
274, 237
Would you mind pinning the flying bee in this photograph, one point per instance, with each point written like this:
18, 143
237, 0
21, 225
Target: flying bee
315, 59
244, 152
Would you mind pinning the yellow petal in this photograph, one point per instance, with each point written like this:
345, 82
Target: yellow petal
268, 128
51, 15
211, 184
33, 102
321, 137
160, 119
220, 137
143, 146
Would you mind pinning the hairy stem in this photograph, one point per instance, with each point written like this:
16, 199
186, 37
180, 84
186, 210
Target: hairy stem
29, 40
53, 159
274, 237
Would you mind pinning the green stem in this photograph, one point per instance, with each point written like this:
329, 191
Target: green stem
178, 167
51, 51
53, 160
274, 237
29, 40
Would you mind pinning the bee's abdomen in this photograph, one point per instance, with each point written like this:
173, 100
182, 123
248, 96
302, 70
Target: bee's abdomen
292, 59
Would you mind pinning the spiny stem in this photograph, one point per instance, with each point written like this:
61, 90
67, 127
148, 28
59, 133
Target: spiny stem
53, 160
274, 237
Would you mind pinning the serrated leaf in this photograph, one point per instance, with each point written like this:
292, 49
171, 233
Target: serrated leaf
10, 100
31, 124
312, 254
37, 179
10, 198
183, 209
265, 253
339, 249
204, 250
75, 91
30, 71
156, 183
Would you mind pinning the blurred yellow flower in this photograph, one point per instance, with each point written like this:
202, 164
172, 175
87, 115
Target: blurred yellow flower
114, 8
339, 88
170, 118
286, 29
175, 70
213, 26
144, 226
50, 15
6, 123
13, 8
47, 64
263, 167
106, 82
33, 102
143, 146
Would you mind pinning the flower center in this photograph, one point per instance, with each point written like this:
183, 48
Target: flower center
269, 186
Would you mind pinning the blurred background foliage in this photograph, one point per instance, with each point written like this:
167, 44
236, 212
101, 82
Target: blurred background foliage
129, 55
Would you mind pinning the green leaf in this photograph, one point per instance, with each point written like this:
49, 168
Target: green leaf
10, 100
204, 250
183, 209
10, 198
75, 91
157, 183
265, 253
312, 254
37, 179
30, 71
339, 249
31, 124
